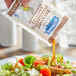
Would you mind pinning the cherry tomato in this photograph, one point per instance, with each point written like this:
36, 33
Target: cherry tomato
39, 62
45, 72
21, 61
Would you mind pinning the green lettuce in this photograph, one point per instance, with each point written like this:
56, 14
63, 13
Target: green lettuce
6, 66
39, 67
28, 61
5, 73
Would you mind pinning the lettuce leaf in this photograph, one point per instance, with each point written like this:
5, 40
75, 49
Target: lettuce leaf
28, 61
5, 73
6, 66
39, 67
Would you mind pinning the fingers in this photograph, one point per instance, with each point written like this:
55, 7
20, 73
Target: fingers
8, 2
25, 3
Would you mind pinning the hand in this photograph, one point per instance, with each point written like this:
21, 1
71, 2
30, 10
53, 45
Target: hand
24, 2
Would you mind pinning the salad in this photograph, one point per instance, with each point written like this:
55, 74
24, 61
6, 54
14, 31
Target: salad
34, 65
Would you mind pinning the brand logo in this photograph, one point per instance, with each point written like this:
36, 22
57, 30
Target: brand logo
52, 25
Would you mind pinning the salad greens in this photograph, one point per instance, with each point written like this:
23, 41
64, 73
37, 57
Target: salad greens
5, 73
28, 61
36, 66
6, 66
73, 71
65, 75
59, 57
39, 67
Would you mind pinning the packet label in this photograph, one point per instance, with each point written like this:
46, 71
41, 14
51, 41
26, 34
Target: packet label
42, 18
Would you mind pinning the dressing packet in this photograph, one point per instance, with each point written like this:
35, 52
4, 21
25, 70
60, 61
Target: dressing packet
39, 18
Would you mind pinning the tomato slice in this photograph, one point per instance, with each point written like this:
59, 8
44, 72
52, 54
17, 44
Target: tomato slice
39, 62
45, 72
21, 61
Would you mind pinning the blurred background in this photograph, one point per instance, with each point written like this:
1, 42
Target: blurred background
16, 41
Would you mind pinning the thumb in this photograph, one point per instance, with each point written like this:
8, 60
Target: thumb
25, 3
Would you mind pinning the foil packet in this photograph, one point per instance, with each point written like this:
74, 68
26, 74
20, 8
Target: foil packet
39, 18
